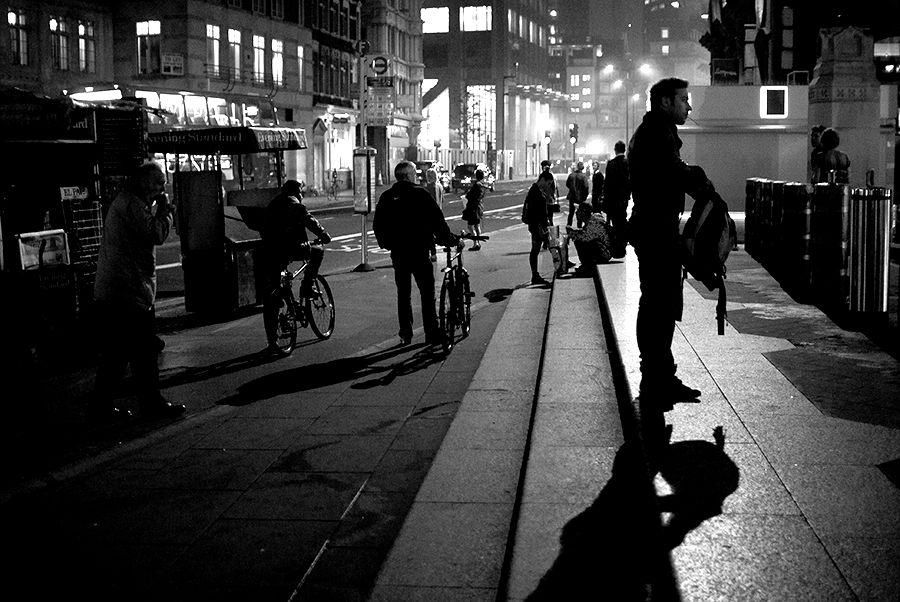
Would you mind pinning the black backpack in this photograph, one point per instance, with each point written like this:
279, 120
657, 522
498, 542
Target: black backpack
706, 240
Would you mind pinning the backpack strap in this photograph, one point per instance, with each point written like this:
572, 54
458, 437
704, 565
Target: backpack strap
721, 313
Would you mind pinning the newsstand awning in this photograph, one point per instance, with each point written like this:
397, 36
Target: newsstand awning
228, 140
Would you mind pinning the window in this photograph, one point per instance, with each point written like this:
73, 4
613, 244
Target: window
436, 20
773, 102
87, 56
301, 71
478, 123
664, 33
277, 9
586, 77
586, 105
59, 44
259, 59
585, 91
259, 6
212, 50
148, 47
18, 36
665, 49
475, 18
574, 80
234, 51
277, 62
575, 96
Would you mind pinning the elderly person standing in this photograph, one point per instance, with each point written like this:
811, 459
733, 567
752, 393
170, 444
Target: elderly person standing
138, 220
407, 222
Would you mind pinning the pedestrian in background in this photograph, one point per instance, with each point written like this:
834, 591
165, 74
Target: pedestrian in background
407, 222
660, 179
138, 220
473, 212
577, 183
537, 216
554, 202
597, 188
815, 142
436, 191
616, 194
592, 242
832, 165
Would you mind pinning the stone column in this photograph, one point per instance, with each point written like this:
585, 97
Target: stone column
845, 95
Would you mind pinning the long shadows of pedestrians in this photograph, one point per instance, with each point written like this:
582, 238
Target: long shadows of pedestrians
314, 376
617, 548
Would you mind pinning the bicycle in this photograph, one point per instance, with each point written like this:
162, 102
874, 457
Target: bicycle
283, 313
456, 295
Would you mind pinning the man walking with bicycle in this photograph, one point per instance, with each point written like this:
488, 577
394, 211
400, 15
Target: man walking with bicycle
285, 239
407, 222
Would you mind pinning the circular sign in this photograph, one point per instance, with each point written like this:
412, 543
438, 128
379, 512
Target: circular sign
379, 65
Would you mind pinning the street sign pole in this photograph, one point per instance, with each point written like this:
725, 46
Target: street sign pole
364, 265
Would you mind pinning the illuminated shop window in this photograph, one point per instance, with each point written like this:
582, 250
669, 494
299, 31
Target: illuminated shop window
277, 61
18, 35
478, 124
436, 20
59, 43
476, 18
259, 59
148, 46
212, 50
87, 54
773, 102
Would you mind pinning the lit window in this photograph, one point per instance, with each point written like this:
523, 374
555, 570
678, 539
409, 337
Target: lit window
586, 105
665, 49
435, 20
234, 50
586, 77
479, 125
552, 30
148, 60
575, 96
475, 18
87, 56
259, 59
277, 62
59, 43
301, 72
574, 80
212, 50
585, 91
18, 35
511, 21
664, 33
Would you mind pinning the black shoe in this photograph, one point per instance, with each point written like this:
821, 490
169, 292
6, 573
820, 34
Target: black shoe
475, 248
434, 339
162, 409
108, 414
539, 280
404, 341
682, 392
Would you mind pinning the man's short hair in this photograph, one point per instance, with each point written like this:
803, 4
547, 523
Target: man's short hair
479, 174
545, 163
579, 165
619, 147
665, 88
292, 188
402, 171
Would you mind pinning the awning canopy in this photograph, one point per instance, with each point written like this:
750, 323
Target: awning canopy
228, 140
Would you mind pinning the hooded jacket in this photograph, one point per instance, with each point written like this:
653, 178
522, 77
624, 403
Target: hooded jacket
408, 220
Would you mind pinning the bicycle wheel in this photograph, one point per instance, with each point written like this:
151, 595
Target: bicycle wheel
447, 313
280, 321
320, 309
465, 306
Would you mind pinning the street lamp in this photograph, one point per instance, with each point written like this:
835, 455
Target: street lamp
627, 86
547, 142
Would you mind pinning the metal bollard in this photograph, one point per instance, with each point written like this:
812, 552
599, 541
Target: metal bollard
869, 231
797, 242
829, 252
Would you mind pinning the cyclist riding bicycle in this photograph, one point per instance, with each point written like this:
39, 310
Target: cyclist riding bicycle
285, 239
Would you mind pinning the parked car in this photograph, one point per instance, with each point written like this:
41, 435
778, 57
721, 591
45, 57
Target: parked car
443, 175
464, 175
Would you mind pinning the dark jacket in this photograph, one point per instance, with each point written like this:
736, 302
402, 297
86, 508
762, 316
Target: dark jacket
616, 186
597, 190
284, 228
407, 220
577, 183
473, 212
537, 211
659, 181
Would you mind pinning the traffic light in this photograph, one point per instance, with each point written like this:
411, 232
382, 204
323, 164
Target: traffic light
573, 133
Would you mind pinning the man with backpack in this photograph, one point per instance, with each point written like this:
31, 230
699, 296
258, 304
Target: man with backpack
659, 180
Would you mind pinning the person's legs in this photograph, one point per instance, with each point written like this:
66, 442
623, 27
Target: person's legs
423, 272
111, 358
475, 227
313, 254
538, 240
573, 207
402, 278
145, 367
658, 309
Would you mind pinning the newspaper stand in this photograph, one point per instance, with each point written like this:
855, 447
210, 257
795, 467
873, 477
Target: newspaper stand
219, 241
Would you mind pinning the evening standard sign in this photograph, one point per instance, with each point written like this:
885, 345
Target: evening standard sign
228, 140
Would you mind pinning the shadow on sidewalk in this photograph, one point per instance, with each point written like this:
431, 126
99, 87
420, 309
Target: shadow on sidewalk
617, 549
314, 376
